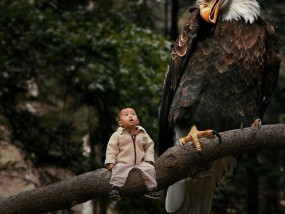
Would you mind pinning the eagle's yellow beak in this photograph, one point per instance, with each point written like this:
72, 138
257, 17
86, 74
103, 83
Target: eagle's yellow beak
209, 11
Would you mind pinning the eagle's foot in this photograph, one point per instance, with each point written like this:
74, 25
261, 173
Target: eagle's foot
256, 123
195, 134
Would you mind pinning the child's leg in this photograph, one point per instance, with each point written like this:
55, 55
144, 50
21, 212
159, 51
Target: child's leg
148, 175
120, 174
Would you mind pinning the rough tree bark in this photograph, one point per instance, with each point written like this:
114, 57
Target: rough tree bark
175, 164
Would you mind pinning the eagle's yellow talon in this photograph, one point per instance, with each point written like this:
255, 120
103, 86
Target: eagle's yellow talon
257, 123
181, 144
185, 139
195, 134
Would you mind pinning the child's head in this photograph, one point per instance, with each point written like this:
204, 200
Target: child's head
127, 118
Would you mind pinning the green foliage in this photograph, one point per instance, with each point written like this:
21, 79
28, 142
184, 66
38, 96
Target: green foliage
87, 60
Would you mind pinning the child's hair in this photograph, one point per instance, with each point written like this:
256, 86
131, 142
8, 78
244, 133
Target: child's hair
121, 111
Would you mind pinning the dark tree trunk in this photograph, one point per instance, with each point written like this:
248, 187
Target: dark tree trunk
166, 18
252, 184
174, 19
272, 185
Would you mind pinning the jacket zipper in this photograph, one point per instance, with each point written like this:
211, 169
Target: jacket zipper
133, 136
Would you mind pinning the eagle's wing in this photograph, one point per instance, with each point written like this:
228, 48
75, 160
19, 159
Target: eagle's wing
272, 67
180, 55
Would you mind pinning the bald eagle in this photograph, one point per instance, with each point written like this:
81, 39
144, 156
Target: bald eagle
222, 74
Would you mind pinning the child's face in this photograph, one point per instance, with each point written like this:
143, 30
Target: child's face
128, 118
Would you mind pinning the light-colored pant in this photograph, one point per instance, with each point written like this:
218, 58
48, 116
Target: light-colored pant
121, 171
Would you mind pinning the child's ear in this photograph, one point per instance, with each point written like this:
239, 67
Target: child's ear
120, 123
138, 122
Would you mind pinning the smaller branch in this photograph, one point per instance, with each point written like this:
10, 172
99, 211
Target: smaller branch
175, 164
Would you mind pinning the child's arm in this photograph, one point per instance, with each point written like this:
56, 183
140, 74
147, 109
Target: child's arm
112, 152
149, 150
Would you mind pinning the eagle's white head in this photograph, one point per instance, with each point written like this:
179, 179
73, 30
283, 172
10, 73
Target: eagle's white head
212, 10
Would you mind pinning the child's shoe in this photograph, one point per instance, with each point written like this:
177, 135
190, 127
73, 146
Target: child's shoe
114, 192
152, 195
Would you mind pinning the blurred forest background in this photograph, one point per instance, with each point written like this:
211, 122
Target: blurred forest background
67, 67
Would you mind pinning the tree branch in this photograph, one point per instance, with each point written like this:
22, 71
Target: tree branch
174, 165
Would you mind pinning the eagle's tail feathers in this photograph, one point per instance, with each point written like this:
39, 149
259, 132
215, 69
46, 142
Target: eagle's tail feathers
195, 195
175, 196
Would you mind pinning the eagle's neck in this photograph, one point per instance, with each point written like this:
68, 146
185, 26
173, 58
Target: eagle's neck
249, 10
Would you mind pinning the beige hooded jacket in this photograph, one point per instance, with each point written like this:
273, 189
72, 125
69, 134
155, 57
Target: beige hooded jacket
122, 148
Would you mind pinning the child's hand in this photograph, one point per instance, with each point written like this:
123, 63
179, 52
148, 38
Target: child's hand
110, 166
